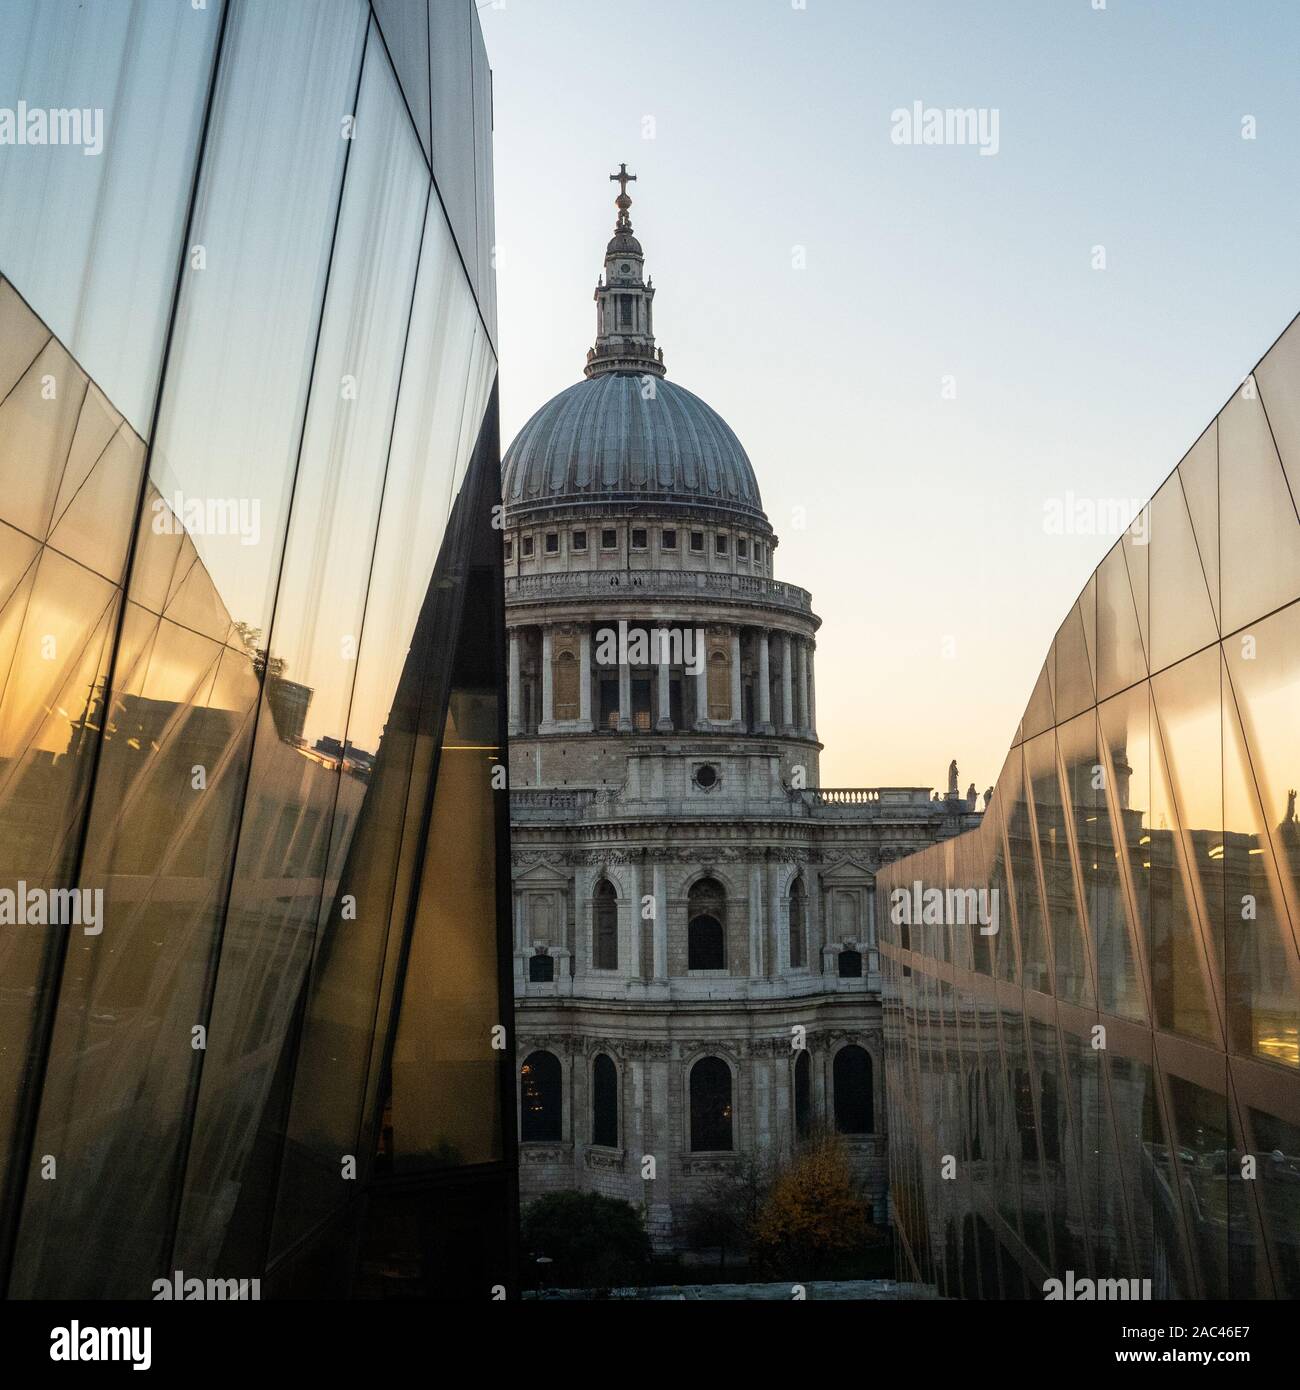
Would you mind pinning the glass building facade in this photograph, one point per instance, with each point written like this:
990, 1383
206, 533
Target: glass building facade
254, 983
1109, 1084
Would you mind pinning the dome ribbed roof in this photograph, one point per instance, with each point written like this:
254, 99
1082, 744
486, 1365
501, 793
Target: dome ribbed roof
604, 441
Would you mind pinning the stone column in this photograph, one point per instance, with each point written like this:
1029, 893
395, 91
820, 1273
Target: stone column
812, 691
632, 961
774, 953
624, 697
737, 710
787, 686
814, 922
584, 680
756, 920
871, 966
581, 923
763, 713
516, 692
661, 921
664, 722
702, 689
548, 681
802, 721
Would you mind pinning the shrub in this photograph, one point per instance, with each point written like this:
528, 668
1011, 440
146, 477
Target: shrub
593, 1242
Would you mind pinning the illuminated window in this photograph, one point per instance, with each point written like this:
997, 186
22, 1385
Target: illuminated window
540, 1090
711, 1127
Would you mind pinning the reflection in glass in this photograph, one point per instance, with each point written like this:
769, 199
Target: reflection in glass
1150, 844
118, 219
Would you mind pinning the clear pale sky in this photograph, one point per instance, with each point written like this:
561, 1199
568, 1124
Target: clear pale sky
769, 130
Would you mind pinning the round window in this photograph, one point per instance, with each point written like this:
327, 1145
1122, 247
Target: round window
706, 776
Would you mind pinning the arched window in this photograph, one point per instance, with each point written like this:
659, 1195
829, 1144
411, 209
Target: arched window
604, 926
710, 1105
706, 936
803, 1094
719, 687
604, 1102
850, 965
798, 924
541, 970
565, 676
540, 1089
853, 1099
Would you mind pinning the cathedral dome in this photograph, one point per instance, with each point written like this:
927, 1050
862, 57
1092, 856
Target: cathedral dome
608, 440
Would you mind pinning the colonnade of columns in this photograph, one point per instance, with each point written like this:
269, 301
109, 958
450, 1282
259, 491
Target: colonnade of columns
784, 688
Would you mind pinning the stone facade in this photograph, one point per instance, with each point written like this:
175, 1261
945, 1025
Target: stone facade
684, 889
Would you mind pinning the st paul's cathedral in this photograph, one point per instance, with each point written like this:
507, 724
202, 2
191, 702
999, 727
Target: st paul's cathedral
696, 973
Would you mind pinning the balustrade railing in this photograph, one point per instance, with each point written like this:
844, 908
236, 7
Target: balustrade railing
744, 588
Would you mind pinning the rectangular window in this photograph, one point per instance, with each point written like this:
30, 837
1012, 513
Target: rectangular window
510, 550
609, 704
742, 548
719, 544
669, 539
609, 539
697, 541
552, 542
641, 705
579, 540
638, 538
527, 547
625, 311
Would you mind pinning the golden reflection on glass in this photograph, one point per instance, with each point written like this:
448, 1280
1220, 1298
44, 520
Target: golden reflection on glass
446, 1075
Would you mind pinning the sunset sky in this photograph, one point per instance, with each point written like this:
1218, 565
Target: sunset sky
817, 283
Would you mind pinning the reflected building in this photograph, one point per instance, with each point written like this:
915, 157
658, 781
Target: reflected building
1115, 1074
252, 656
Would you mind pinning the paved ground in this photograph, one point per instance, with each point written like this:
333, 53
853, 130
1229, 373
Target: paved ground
854, 1289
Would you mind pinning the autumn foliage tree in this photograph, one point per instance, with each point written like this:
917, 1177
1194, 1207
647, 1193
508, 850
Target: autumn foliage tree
814, 1222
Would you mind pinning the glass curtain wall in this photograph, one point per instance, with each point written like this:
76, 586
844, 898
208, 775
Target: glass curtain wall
1116, 1071
248, 455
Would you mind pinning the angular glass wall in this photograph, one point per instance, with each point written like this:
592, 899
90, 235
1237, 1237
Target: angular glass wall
249, 628
1109, 1084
